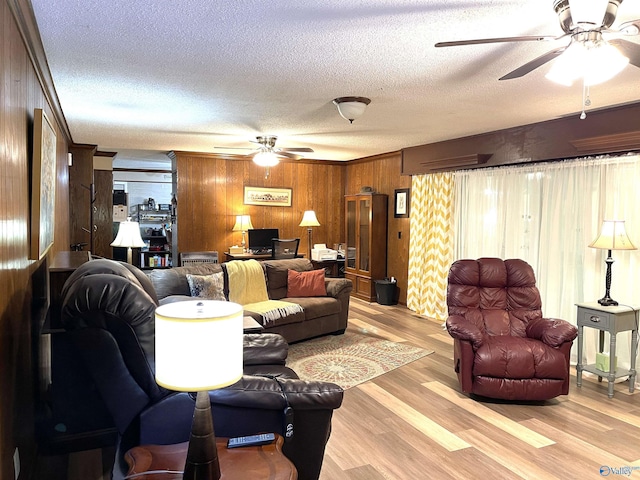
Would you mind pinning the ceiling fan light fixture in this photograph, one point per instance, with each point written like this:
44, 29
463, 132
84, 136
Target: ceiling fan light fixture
266, 159
351, 108
594, 61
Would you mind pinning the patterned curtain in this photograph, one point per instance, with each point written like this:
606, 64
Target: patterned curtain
431, 244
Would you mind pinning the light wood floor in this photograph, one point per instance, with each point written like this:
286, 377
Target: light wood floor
413, 423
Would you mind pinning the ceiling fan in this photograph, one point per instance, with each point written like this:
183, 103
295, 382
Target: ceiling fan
268, 155
588, 24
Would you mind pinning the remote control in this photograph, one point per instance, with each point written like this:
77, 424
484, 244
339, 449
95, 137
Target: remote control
261, 439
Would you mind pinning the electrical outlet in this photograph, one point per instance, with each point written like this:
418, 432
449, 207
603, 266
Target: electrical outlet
16, 464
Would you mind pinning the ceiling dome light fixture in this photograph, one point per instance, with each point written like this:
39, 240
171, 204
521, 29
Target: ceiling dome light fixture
351, 108
266, 158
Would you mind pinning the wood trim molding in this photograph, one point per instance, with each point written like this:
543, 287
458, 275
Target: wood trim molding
604, 131
28, 27
444, 164
174, 154
617, 142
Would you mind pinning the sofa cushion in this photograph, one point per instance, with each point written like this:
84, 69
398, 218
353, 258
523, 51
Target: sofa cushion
315, 307
210, 287
306, 284
277, 274
173, 281
296, 317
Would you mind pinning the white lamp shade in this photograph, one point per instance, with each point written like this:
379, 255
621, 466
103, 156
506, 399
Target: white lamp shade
128, 235
266, 159
243, 223
309, 219
613, 236
198, 345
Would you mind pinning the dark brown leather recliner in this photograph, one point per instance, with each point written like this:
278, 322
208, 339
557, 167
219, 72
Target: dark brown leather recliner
108, 313
503, 347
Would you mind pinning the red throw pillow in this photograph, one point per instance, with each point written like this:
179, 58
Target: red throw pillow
306, 284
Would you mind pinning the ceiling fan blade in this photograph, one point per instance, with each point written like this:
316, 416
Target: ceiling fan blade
630, 28
235, 148
533, 64
288, 155
628, 49
303, 149
526, 38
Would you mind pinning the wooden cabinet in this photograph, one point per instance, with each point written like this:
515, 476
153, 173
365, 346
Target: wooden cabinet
366, 234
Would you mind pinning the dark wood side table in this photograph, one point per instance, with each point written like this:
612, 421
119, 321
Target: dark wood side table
265, 462
249, 325
63, 265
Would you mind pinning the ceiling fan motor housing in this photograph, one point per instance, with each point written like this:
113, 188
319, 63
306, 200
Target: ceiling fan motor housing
268, 141
567, 23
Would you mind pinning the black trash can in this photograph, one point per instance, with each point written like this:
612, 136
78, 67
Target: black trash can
386, 292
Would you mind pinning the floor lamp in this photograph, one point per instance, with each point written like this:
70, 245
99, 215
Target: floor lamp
129, 236
612, 237
199, 348
243, 223
309, 220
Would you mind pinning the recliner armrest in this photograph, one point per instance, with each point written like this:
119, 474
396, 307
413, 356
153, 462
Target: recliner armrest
251, 403
264, 349
264, 392
552, 331
460, 328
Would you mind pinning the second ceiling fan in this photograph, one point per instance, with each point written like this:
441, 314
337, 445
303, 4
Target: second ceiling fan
268, 155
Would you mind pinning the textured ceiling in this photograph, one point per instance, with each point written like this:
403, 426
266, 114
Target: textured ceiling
145, 77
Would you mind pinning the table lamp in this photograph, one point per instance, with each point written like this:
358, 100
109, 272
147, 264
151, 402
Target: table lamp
243, 223
309, 220
612, 237
199, 348
129, 236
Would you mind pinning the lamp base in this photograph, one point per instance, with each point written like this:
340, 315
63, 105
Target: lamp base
202, 455
607, 301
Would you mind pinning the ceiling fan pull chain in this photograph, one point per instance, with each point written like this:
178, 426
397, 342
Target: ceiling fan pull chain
586, 101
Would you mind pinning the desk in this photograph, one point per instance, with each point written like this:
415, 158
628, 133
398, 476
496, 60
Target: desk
613, 319
261, 462
251, 256
332, 268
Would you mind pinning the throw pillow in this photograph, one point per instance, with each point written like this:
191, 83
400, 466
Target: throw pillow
306, 284
210, 287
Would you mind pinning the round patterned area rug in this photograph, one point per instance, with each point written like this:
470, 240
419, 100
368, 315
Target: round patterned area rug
349, 359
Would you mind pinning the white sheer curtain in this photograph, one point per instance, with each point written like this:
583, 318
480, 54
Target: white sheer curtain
547, 214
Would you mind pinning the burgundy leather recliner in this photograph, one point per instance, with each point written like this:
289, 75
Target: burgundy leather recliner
503, 347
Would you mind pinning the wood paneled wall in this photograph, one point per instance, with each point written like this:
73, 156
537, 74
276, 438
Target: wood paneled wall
210, 193
23, 281
383, 173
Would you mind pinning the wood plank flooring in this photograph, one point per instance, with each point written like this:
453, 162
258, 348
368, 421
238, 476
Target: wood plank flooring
413, 423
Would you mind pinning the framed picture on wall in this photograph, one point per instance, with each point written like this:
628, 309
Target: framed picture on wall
270, 197
43, 185
401, 203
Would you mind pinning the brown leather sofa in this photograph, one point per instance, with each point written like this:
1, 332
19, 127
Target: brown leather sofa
503, 347
322, 315
108, 313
